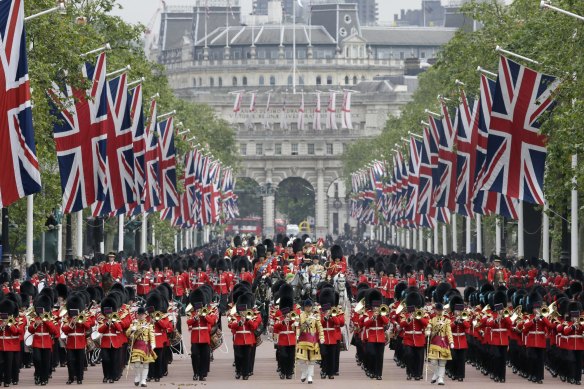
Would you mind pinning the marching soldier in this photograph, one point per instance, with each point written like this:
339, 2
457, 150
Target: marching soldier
110, 329
243, 324
441, 341
499, 325
43, 329
535, 333
374, 322
459, 325
157, 308
414, 322
285, 324
141, 335
75, 330
331, 320
202, 320
144, 281
309, 334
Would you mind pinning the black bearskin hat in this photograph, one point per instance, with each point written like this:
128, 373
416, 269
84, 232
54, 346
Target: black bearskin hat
297, 245
197, 296
269, 244
373, 295
336, 252
8, 307
44, 302
237, 240
109, 303
261, 251
75, 302
327, 297
28, 288
414, 299
246, 299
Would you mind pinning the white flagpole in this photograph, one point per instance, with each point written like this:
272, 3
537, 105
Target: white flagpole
468, 234
415, 238
120, 233
498, 235
60, 238
429, 242
574, 217
444, 240
408, 239
436, 243
479, 233
546, 234
421, 239
29, 229
454, 233
520, 229
143, 233
80, 234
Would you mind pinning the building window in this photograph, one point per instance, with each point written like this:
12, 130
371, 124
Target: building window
344, 148
243, 149
220, 81
259, 149
423, 54
300, 80
200, 81
318, 80
261, 81
278, 149
354, 80
310, 149
294, 148
329, 80
211, 81
290, 80
195, 81
329, 149
272, 80
234, 81
346, 80
402, 55
244, 81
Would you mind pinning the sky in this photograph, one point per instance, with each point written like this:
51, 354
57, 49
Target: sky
142, 11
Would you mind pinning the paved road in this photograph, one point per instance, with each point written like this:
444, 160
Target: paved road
222, 375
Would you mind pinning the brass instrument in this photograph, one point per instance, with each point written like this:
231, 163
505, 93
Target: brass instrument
419, 314
547, 311
10, 321
203, 312
335, 311
464, 316
360, 307
81, 318
157, 316
581, 321
189, 308
507, 313
293, 316
46, 317
486, 308
401, 307
248, 314
383, 310
516, 313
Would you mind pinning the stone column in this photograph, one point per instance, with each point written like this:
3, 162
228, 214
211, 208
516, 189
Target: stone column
269, 206
321, 212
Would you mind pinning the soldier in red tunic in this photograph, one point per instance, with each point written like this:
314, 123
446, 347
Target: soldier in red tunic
414, 323
43, 328
285, 323
202, 319
459, 326
75, 330
243, 325
111, 343
157, 307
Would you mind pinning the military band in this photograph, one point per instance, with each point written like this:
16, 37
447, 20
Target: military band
311, 302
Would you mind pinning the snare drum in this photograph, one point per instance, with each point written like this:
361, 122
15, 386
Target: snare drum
63, 340
216, 339
28, 338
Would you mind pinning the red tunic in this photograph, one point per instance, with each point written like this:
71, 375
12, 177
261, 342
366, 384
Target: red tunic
374, 327
201, 328
243, 330
43, 334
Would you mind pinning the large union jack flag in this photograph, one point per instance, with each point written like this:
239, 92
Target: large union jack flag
151, 185
167, 164
20, 167
120, 189
80, 136
467, 137
138, 150
445, 188
485, 202
516, 149
413, 180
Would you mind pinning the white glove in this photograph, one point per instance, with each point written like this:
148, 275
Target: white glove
451, 345
133, 328
428, 333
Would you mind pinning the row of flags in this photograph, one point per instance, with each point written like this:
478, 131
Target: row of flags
111, 158
483, 159
331, 111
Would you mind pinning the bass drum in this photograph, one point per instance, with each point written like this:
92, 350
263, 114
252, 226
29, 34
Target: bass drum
63, 340
96, 338
216, 339
175, 338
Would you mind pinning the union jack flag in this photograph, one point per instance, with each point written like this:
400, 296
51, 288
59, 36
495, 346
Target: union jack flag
167, 164
189, 184
516, 149
151, 185
413, 180
446, 189
467, 138
139, 149
120, 188
485, 202
426, 209
20, 176
80, 137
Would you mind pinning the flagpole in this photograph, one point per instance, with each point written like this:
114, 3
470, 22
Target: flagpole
143, 232
120, 233
415, 239
574, 216
79, 234
444, 240
293, 47
436, 235
468, 234
498, 235
454, 233
29, 229
520, 229
546, 234
479, 234
421, 240
429, 242
60, 238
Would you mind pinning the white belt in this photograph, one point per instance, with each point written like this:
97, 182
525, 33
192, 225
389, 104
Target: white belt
158, 333
199, 328
376, 328
458, 334
413, 332
143, 284
329, 329
243, 332
287, 332
536, 333
498, 329
76, 334
572, 336
41, 333
9, 337
110, 334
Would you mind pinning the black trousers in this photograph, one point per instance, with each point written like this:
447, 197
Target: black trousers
338, 358
415, 364
499, 361
576, 367
41, 357
458, 363
329, 355
536, 362
252, 358
156, 368
110, 363
242, 359
287, 356
201, 359
374, 352
8, 359
75, 363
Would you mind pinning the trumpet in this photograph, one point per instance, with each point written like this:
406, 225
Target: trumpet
203, 312
335, 311
10, 321
419, 314
157, 316
507, 313
46, 317
547, 311
581, 321
293, 316
248, 314
383, 310
464, 316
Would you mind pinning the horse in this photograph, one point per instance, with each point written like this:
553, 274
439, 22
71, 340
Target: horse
340, 285
262, 289
301, 285
315, 279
